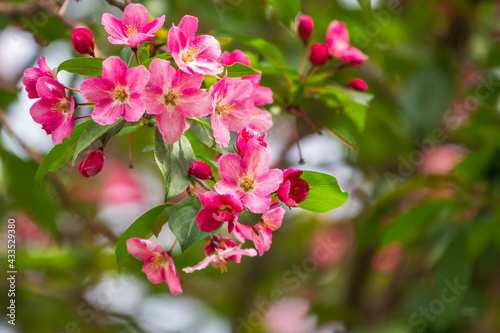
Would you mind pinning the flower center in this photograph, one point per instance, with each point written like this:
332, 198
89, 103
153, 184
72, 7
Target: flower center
60, 107
131, 30
268, 224
254, 113
224, 109
246, 183
121, 94
190, 54
158, 261
170, 98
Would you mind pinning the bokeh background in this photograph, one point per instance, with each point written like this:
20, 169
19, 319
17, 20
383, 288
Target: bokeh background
415, 249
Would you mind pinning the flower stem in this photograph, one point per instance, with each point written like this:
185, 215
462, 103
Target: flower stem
130, 165
82, 104
169, 252
80, 117
303, 61
69, 88
134, 49
202, 184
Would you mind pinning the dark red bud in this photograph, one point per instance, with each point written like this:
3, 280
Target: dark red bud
358, 84
92, 164
200, 170
305, 27
319, 54
83, 41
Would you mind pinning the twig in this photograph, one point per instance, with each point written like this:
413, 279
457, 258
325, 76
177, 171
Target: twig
117, 4
202, 184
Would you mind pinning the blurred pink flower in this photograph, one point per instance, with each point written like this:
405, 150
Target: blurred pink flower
290, 315
358, 84
388, 258
337, 39
440, 160
135, 27
319, 54
31, 76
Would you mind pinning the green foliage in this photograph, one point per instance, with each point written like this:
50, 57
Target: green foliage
324, 192
287, 10
174, 161
239, 70
82, 66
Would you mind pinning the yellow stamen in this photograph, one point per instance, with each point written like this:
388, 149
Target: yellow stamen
120, 94
131, 30
157, 261
190, 54
60, 107
246, 183
171, 97
268, 223
224, 109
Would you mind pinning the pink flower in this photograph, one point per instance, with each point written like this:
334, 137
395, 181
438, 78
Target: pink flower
235, 56
93, 163
293, 190
337, 39
31, 76
194, 54
230, 109
358, 84
158, 265
54, 111
200, 170
135, 27
118, 92
319, 54
219, 208
174, 95
305, 27
260, 120
83, 41
219, 251
249, 178
244, 136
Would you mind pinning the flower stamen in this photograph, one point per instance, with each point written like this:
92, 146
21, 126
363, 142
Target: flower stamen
190, 54
246, 183
131, 30
120, 94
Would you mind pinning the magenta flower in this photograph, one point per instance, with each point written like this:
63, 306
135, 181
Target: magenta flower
174, 95
337, 39
118, 92
305, 27
194, 54
83, 41
319, 54
135, 27
219, 208
243, 138
54, 111
219, 251
249, 177
235, 56
358, 84
158, 265
31, 76
230, 109
271, 220
200, 170
92, 164
294, 189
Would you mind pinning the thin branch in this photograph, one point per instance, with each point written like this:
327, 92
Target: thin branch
202, 184
117, 4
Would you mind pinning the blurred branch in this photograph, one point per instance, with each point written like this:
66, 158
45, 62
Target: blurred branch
94, 225
117, 4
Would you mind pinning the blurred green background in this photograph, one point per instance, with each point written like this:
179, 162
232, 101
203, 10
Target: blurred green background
415, 249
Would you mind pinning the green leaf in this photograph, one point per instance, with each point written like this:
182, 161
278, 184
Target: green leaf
112, 132
336, 97
142, 228
128, 56
267, 49
164, 56
82, 66
174, 161
128, 130
93, 132
324, 192
287, 10
239, 70
143, 55
183, 224
148, 149
248, 218
58, 156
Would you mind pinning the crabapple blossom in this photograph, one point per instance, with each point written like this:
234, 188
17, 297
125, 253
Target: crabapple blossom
31, 76
230, 109
93, 163
200, 170
158, 265
294, 189
337, 39
249, 177
219, 251
219, 208
135, 27
54, 111
118, 92
174, 95
83, 41
244, 136
193, 54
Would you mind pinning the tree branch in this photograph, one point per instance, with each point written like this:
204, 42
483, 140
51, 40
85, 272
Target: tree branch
117, 4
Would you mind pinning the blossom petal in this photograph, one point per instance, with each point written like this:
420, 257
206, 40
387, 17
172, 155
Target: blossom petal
188, 25
171, 124
113, 69
202, 264
221, 130
134, 108
113, 26
136, 79
135, 16
96, 89
209, 47
206, 221
142, 248
268, 183
255, 203
195, 102
106, 111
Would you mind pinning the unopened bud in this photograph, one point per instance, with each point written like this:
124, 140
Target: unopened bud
305, 27
83, 41
200, 170
319, 54
358, 84
92, 164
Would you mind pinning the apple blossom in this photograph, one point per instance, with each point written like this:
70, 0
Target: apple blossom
93, 163
31, 76
244, 136
219, 208
200, 170
83, 41
294, 189
337, 39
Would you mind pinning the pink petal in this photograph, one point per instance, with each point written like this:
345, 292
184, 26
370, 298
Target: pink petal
143, 248
41, 112
261, 120
49, 88
134, 108
135, 14
162, 74
139, 38
262, 95
155, 25
113, 26
96, 89
228, 186
255, 203
204, 66
206, 221
237, 92
171, 124
172, 277
153, 100
154, 275
106, 111
64, 129
188, 26
221, 130
242, 232
182, 81
256, 161
202, 264
263, 240
136, 79
209, 47
230, 166
268, 183
238, 119
283, 194
194, 102
274, 216
30, 77
236, 56
113, 70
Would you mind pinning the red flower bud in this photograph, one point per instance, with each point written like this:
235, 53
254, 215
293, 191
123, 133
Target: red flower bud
200, 170
83, 41
243, 138
358, 84
319, 54
92, 164
293, 189
305, 27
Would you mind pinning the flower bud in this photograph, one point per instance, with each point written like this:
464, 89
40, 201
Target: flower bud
294, 189
200, 170
319, 54
83, 41
92, 164
243, 138
305, 27
358, 84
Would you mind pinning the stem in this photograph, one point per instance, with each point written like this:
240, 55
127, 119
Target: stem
172, 247
80, 117
303, 61
297, 138
82, 104
69, 88
202, 184
130, 165
134, 49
